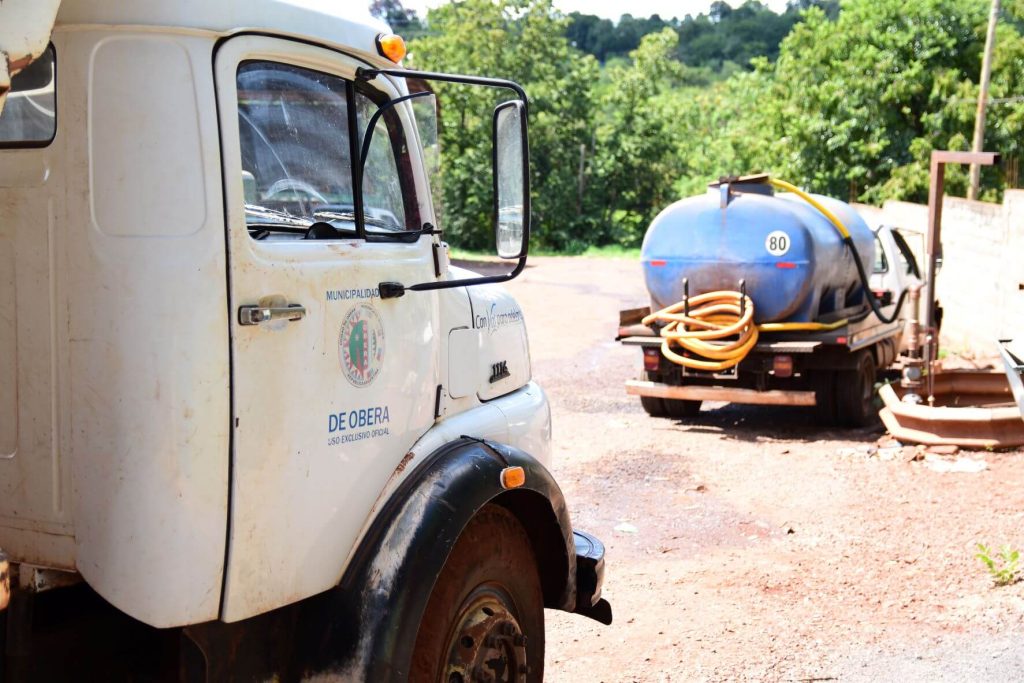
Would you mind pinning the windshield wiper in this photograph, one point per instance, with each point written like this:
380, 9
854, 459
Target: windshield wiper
280, 217
351, 217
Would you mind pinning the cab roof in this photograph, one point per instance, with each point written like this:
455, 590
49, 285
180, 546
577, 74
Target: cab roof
335, 22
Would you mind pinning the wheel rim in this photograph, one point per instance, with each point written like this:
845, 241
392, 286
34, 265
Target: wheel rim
486, 644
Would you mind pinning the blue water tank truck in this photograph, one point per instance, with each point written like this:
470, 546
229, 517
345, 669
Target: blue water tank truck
768, 297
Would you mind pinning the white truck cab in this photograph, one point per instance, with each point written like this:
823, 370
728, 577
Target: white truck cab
895, 268
244, 398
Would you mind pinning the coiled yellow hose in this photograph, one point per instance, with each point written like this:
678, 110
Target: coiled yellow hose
719, 328
713, 318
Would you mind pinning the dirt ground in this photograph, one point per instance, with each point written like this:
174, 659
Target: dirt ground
748, 544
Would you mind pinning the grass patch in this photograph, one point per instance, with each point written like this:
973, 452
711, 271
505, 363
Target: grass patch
1002, 567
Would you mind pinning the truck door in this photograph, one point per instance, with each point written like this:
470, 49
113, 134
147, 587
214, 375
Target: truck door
331, 385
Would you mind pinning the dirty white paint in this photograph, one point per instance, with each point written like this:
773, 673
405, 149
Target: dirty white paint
118, 326
314, 442
114, 352
499, 322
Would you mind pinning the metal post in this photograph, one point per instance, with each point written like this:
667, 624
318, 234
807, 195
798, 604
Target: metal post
979, 117
933, 243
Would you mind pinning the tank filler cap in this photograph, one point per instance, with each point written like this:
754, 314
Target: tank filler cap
747, 184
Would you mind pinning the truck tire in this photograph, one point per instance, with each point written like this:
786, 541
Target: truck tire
485, 617
681, 409
654, 406
824, 383
855, 392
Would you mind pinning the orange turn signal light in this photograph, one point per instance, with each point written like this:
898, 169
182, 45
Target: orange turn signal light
391, 46
513, 477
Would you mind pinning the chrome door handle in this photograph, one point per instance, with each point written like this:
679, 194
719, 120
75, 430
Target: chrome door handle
254, 315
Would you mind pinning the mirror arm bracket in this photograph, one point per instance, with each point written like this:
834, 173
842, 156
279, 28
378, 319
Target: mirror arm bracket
363, 74
393, 290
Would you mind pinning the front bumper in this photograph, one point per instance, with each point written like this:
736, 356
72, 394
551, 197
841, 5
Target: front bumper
590, 578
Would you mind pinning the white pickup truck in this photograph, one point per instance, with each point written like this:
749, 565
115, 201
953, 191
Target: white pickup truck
252, 423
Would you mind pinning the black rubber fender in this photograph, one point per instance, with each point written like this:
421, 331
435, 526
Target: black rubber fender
388, 583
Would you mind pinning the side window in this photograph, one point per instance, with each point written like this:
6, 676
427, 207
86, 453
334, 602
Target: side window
29, 118
881, 263
297, 170
906, 254
382, 186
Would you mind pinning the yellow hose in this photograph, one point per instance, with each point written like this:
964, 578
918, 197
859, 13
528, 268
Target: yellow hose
789, 187
718, 327
713, 318
802, 327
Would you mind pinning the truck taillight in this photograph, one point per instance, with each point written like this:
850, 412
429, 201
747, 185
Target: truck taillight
782, 366
652, 358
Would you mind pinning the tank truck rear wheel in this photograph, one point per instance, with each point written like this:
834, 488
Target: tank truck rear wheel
485, 617
682, 409
824, 383
855, 392
654, 406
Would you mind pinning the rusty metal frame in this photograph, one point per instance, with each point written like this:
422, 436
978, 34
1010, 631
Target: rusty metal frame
933, 246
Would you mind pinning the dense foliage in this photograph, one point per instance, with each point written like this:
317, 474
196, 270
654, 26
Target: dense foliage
851, 106
724, 38
522, 40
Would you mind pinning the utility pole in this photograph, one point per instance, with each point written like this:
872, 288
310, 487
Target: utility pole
979, 117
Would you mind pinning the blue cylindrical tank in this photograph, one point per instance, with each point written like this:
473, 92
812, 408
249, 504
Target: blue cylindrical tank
793, 260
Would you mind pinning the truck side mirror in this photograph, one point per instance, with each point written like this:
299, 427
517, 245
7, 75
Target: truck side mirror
510, 169
511, 182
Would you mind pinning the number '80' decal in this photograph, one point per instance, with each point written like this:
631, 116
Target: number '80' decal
777, 243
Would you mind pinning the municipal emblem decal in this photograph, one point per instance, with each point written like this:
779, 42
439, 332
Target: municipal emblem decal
361, 345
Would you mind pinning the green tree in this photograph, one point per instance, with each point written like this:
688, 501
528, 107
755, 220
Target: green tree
729, 128
862, 101
403, 21
636, 162
523, 40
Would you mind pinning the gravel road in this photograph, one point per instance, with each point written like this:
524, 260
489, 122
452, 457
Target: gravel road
752, 545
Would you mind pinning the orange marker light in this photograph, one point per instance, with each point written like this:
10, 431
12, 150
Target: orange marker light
513, 477
391, 46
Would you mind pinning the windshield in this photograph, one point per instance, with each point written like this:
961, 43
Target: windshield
297, 158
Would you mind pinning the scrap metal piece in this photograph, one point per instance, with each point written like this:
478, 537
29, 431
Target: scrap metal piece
1014, 370
972, 409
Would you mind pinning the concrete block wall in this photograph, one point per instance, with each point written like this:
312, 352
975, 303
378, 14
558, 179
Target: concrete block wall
981, 283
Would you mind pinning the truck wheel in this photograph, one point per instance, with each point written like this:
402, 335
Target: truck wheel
855, 392
824, 383
681, 409
485, 617
654, 406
